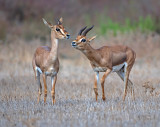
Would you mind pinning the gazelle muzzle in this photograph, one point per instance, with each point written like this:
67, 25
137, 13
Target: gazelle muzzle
73, 44
68, 36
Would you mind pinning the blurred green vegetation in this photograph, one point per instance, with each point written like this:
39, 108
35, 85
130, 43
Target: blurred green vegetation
33, 30
144, 25
36, 29
22, 18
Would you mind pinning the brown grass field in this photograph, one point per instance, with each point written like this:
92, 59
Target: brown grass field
75, 100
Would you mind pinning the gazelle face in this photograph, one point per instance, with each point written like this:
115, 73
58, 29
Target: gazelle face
81, 41
59, 30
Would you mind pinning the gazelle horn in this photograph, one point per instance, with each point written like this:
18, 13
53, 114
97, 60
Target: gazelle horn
80, 32
87, 30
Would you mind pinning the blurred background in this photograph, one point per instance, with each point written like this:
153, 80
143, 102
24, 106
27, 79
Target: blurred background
132, 22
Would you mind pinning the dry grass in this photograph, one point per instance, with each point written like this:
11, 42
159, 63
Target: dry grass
75, 99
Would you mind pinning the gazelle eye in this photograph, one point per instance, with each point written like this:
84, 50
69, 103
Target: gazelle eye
83, 40
57, 29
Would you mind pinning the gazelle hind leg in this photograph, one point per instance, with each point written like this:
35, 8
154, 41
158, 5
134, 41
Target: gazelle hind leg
127, 70
130, 84
125, 84
131, 88
53, 79
123, 74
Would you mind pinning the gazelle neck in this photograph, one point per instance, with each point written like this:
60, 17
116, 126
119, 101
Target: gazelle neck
54, 46
91, 53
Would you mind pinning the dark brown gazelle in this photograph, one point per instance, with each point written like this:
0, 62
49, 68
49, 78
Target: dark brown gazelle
45, 60
107, 59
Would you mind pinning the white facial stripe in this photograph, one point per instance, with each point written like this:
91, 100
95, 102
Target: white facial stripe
80, 40
62, 32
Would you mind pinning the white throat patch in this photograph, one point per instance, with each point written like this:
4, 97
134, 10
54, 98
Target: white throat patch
56, 41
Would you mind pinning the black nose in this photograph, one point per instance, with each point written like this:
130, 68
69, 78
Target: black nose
68, 36
73, 43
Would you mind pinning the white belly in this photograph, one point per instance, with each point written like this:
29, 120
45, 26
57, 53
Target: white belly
100, 69
50, 72
114, 68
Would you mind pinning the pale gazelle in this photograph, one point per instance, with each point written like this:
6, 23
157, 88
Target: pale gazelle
45, 60
119, 59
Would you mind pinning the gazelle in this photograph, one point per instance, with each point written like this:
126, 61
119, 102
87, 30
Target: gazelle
45, 60
119, 59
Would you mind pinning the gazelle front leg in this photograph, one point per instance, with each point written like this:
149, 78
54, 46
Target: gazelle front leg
96, 81
53, 79
102, 82
45, 87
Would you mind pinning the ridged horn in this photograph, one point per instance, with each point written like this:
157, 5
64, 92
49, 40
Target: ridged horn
80, 32
87, 30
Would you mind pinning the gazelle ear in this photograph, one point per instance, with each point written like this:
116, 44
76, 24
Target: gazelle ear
92, 38
47, 23
60, 21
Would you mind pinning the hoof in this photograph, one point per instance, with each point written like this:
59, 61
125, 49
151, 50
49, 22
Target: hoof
103, 98
53, 101
96, 98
